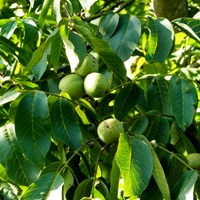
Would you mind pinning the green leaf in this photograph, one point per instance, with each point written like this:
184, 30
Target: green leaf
158, 127
184, 187
48, 186
108, 25
33, 126
19, 169
190, 26
45, 7
158, 97
126, 37
125, 100
138, 125
38, 62
74, 47
103, 49
135, 162
159, 176
9, 96
84, 189
56, 45
65, 125
114, 180
9, 28
183, 97
13, 49
160, 39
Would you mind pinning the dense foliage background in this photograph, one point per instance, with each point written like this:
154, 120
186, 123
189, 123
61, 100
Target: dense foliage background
49, 147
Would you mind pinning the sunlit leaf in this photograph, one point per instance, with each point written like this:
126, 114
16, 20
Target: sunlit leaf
190, 26
48, 186
135, 162
74, 47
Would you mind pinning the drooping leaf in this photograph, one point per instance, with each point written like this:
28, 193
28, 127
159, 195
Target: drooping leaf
183, 97
159, 175
33, 126
103, 49
125, 100
135, 162
8, 29
48, 186
74, 47
11, 48
38, 62
114, 180
158, 97
184, 187
108, 25
20, 170
65, 123
160, 42
190, 26
126, 37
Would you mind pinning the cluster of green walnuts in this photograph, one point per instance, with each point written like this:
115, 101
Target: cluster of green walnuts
87, 79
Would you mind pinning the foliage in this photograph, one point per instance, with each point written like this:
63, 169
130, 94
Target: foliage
49, 145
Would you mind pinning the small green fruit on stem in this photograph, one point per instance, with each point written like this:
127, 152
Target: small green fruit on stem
73, 84
96, 85
109, 130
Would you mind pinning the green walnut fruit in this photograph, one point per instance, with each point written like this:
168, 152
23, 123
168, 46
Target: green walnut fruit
194, 160
109, 130
73, 84
90, 64
96, 85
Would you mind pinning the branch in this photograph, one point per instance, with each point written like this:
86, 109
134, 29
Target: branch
101, 13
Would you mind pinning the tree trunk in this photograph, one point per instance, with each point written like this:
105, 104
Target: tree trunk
170, 9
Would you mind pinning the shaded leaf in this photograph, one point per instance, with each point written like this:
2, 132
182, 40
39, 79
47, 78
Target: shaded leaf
160, 39
125, 100
51, 189
103, 49
65, 123
134, 160
126, 37
20, 170
184, 187
55, 50
33, 126
158, 97
108, 25
183, 97
84, 189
